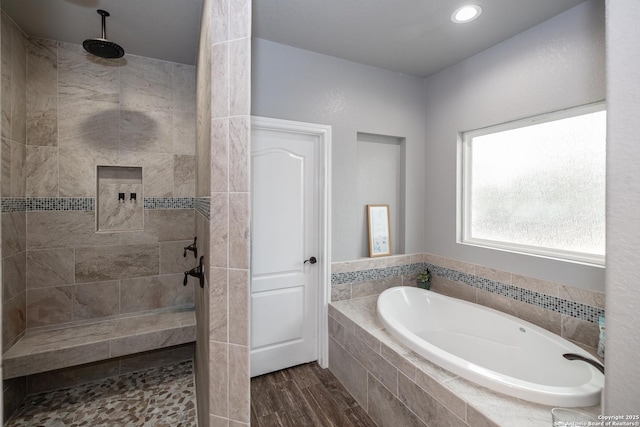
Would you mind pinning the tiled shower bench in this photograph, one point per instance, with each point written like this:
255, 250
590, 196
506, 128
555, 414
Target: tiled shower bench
47, 350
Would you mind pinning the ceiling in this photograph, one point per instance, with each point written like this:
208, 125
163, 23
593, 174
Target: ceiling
414, 37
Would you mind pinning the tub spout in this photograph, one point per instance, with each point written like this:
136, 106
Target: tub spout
573, 356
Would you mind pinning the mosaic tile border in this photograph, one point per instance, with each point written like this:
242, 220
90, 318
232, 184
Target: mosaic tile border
559, 305
60, 204
168, 202
203, 205
13, 204
34, 204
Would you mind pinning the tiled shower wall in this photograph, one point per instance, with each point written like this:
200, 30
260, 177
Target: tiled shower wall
564, 310
78, 112
13, 152
222, 206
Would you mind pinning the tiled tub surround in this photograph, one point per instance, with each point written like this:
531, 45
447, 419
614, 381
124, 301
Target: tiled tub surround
566, 311
397, 387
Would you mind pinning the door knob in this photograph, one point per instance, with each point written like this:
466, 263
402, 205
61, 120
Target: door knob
311, 260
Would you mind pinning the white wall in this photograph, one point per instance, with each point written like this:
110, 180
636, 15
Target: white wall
295, 84
622, 393
555, 65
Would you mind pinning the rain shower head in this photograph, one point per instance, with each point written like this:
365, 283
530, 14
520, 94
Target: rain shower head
101, 46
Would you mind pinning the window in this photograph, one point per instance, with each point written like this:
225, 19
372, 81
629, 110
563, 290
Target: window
537, 185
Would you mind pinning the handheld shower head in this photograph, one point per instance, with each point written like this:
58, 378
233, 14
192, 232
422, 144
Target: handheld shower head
101, 46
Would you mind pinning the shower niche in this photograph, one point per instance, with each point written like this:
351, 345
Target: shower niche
120, 204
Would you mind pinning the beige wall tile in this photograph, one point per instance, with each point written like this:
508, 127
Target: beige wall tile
454, 289
184, 176
239, 154
88, 124
218, 305
172, 259
218, 22
5, 151
14, 280
183, 87
41, 95
157, 179
239, 253
533, 284
219, 230
239, 19
18, 85
239, 290
584, 296
373, 362
240, 77
580, 330
184, 133
56, 229
18, 170
14, 319
220, 80
14, 230
101, 263
351, 374
81, 79
218, 378
148, 293
145, 84
374, 287
150, 131
78, 168
417, 400
41, 171
386, 410
170, 224
93, 300
49, 306
219, 155
50, 267
239, 383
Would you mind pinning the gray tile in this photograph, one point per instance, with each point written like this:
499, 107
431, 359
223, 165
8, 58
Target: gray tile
49, 306
50, 267
94, 300
100, 263
386, 410
148, 293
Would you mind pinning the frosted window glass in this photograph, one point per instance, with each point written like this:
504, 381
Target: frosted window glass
541, 185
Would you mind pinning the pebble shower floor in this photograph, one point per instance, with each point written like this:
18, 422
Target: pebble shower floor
155, 397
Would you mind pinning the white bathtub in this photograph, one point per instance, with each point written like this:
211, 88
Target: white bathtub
490, 348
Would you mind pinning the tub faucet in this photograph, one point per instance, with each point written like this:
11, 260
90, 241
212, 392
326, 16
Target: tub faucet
573, 356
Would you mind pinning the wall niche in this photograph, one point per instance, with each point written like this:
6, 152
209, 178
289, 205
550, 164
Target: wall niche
381, 180
120, 201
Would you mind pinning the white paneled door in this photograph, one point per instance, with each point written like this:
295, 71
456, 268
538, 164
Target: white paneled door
285, 248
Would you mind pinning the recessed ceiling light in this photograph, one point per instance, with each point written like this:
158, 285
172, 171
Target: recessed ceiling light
466, 14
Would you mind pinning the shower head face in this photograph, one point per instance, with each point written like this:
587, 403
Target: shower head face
103, 48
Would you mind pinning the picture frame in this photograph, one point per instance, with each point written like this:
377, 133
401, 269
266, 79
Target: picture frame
379, 226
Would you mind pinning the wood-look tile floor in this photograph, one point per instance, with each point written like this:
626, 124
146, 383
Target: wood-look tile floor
304, 395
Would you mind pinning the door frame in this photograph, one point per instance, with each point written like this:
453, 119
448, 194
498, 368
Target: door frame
323, 165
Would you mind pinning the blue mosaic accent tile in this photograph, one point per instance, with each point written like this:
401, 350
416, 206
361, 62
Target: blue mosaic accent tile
168, 202
559, 305
60, 204
13, 204
203, 205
